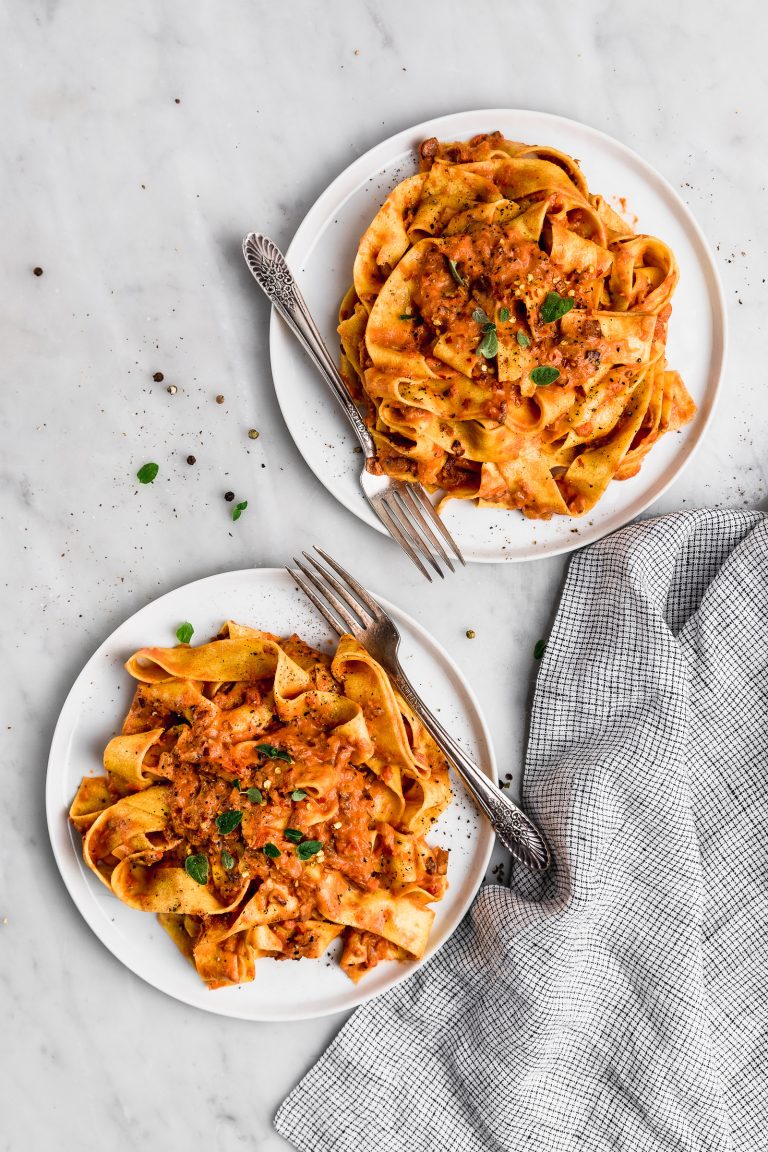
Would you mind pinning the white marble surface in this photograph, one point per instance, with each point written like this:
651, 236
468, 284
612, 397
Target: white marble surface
134, 205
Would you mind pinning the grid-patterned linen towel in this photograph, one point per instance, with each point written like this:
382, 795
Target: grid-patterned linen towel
623, 1002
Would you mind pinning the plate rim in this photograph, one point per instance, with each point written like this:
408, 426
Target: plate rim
80, 894
317, 216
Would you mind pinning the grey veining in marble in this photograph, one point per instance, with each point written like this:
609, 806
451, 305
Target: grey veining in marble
138, 143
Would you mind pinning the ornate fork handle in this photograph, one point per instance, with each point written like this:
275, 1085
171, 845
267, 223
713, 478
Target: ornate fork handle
274, 277
511, 825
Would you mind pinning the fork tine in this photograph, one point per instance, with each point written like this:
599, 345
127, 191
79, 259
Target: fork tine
398, 512
420, 495
322, 609
365, 618
352, 625
412, 507
392, 526
376, 612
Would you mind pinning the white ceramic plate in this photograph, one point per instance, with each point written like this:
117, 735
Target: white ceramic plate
321, 257
93, 712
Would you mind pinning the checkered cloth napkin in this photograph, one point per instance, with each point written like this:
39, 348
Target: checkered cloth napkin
622, 1002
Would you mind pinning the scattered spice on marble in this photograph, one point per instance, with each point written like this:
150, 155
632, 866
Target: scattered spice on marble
191, 460
158, 377
172, 389
38, 271
471, 633
229, 496
177, 100
253, 434
220, 399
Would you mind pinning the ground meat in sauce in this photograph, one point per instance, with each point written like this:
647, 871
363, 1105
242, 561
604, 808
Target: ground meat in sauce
501, 272
486, 278
204, 782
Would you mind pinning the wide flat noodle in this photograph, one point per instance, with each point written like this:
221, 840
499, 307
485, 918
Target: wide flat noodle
402, 920
450, 322
92, 798
125, 756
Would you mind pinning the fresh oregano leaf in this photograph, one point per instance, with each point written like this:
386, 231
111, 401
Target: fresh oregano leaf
308, 848
184, 632
196, 866
489, 345
456, 274
228, 821
147, 473
273, 753
555, 306
544, 375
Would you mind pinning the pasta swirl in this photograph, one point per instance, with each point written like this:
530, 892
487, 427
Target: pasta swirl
505, 331
264, 799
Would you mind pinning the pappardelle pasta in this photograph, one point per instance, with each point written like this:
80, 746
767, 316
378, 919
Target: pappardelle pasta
264, 799
505, 333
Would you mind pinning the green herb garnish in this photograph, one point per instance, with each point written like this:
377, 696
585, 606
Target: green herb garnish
409, 315
544, 375
456, 274
227, 860
197, 867
273, 753
184, 632
272, 851
147, 473
228, 821
555, 306
539, 649
255, 796
522, 338
293, 834
308, 848
299, 794
238, 509
504, 315
489, 345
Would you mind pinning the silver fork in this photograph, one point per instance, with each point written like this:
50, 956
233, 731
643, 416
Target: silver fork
347, 607
404, 509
